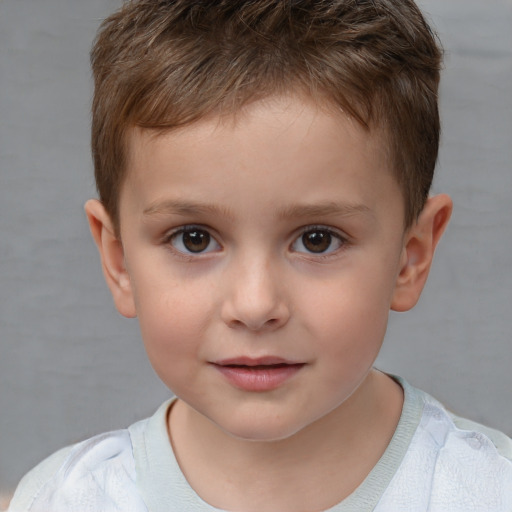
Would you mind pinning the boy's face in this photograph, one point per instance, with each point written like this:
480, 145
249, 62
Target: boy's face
261, 257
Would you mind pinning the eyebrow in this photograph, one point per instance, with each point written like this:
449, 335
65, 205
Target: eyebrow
323, 210
179, 207
187, 208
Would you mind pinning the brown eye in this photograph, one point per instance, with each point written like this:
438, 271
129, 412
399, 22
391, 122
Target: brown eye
318, 241
193, 240
196, 241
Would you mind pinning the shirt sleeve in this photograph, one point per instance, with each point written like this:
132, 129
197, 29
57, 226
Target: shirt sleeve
32, 483
501, 441
95, 475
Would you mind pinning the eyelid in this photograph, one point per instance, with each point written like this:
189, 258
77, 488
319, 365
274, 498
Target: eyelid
334, 232
187, 228
324, 227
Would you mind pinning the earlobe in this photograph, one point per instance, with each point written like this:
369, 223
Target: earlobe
418, 251
112, 257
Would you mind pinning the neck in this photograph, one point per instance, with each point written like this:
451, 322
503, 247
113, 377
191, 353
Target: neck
311, 470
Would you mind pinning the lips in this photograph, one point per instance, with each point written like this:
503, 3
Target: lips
257, 374
254, 361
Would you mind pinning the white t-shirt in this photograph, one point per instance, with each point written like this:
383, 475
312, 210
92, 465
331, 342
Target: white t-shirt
435, 462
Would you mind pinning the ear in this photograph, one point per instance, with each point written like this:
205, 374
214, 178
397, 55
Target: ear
112, 257
418, 252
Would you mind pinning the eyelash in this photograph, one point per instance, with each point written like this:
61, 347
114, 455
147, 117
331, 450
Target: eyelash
299, 239
333, 234
189, 229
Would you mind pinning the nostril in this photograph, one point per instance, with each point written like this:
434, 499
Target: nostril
271, 323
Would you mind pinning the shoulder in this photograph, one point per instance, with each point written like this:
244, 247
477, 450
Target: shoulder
96, 474
453, 430
460, 465
501, 441
34, 480
473, 462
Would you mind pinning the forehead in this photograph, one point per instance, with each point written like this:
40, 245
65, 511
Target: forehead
279, 148
289, 117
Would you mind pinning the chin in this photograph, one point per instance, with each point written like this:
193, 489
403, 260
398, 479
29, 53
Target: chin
261, 430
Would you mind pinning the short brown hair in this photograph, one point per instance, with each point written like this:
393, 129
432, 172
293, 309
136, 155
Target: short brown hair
166, 63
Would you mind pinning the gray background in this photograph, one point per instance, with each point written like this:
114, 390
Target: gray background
71, 367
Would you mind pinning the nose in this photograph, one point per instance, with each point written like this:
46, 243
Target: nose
255, 297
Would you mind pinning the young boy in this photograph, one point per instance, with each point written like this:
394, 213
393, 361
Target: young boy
263, 169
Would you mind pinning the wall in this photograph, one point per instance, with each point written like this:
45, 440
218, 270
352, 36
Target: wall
71, 367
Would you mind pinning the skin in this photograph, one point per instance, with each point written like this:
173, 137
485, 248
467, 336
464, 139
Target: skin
258, 187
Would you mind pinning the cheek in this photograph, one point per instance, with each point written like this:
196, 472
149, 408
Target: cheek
352, 331
172, 320
349, 339
170, 343
350, 313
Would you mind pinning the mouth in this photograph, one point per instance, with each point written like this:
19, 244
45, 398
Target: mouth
254, 361
259, 374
